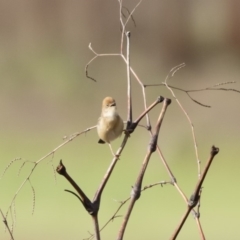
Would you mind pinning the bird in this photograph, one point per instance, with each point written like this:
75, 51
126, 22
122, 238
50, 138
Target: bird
110, 124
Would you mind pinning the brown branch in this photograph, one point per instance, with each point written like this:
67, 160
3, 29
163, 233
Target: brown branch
91, 207
61, 169
136, 189
115, 159
107, 175
194, 199
197, 217
122, 203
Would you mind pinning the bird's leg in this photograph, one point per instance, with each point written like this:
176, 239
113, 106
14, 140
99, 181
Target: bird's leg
115, 155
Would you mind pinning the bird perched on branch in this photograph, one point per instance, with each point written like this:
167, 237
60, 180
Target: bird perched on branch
110, 124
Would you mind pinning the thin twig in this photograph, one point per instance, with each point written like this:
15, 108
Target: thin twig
129, 14
6, 224
34, 196
125, 59
171, 74
197, 90
41, 159
8, 166
143, 90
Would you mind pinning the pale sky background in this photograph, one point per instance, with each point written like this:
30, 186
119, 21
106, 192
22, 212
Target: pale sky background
45, 96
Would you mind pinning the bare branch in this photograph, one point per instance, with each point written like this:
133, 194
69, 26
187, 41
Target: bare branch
43, 158
136, 189
194, 199
6, 224
171, 73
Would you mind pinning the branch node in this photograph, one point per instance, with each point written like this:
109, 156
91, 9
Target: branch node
153, 143
168, 101
136, 192
128, 34
61, 169
160, 99
173, 180
196, 214
149, 127
131, 127
193, 200
214, 151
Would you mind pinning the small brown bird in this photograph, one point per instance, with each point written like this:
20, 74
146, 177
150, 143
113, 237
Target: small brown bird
110, 124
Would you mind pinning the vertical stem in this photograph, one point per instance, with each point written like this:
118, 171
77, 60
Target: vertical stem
129, 119
96, 227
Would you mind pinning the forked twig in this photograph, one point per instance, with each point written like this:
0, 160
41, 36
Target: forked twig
95, 57
123, 34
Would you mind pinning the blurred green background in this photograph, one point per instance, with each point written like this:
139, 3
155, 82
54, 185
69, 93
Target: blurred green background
45, 96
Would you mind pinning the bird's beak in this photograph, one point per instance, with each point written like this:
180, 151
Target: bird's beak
113, 104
